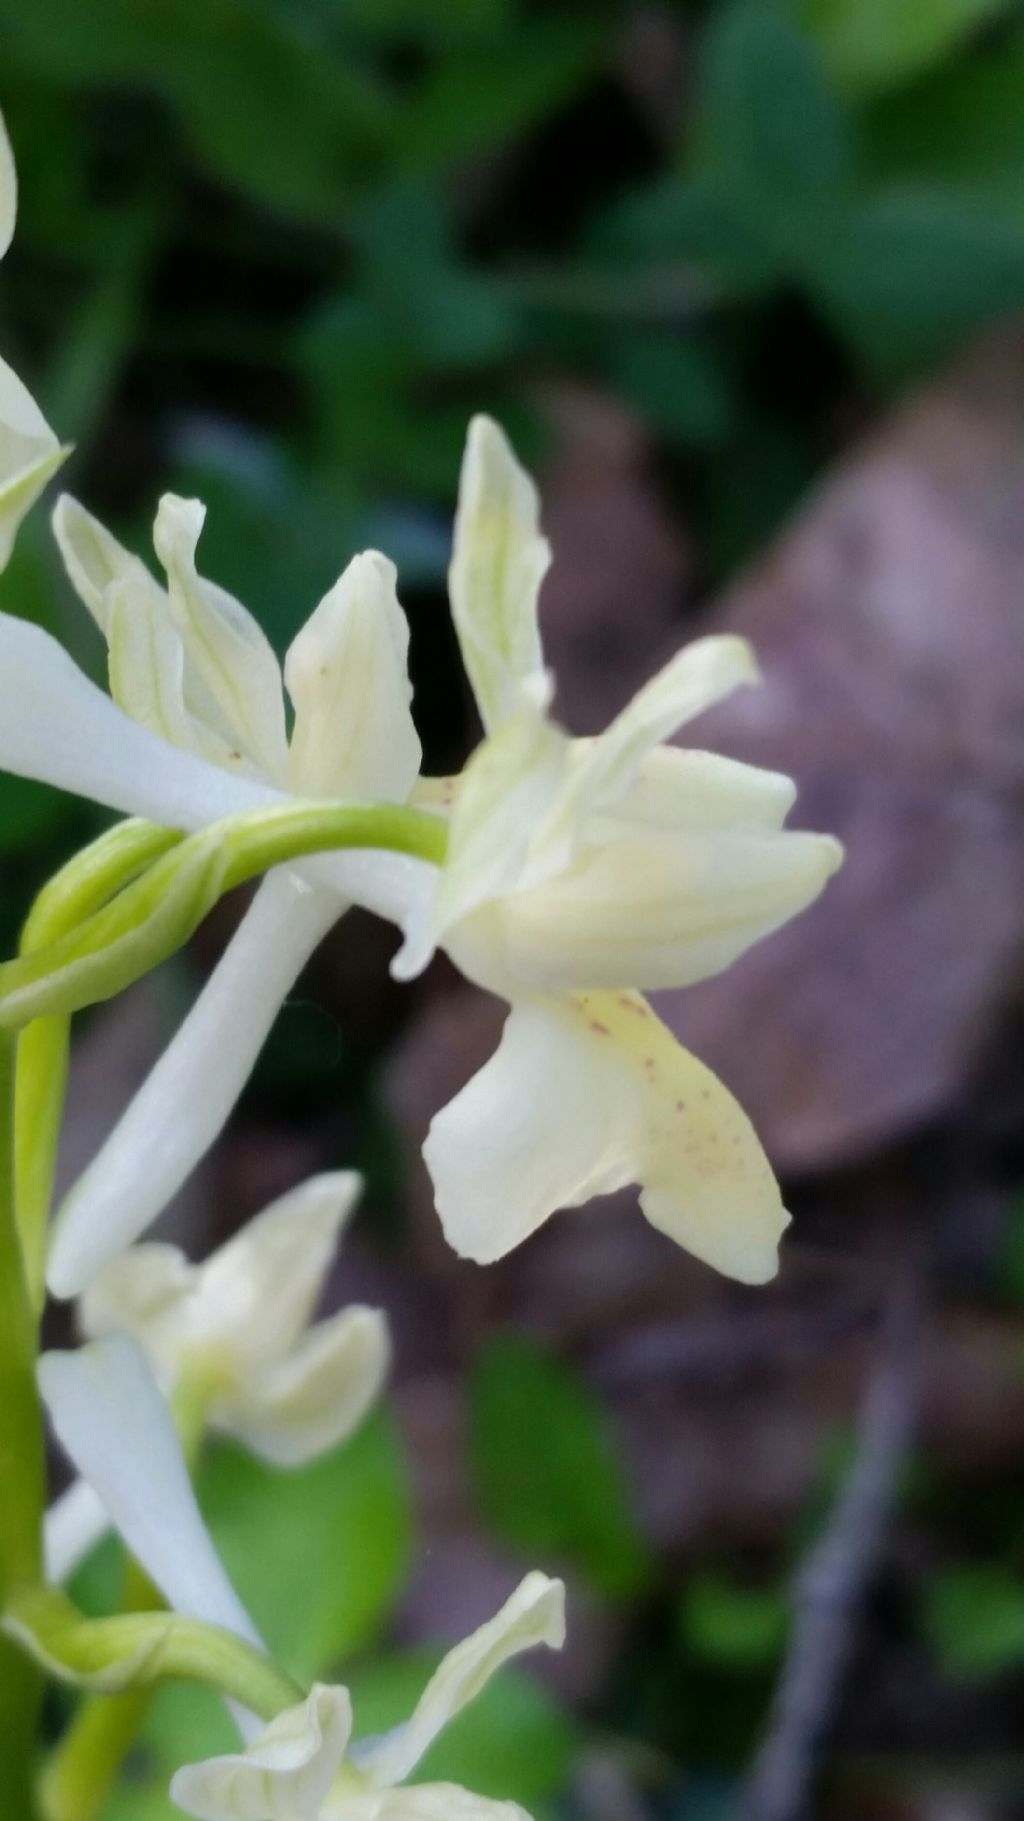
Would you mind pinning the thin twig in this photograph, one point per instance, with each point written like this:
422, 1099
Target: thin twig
830, 1586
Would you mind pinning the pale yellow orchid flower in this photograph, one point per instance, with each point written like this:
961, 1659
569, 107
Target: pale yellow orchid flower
238, 1325
578, 872
304, 1766
196, 730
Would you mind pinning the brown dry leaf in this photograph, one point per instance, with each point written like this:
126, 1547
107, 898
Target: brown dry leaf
890, 627
622, 566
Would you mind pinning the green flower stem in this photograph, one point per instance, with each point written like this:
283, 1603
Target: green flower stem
81, 1773
138, 1649
21, 1469
157, 913
262, 838
76, 892
93, 876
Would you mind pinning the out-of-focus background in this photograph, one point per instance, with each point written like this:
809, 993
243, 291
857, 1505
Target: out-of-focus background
745, 280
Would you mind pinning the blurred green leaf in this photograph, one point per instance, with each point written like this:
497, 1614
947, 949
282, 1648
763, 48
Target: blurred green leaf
974, 1618
545, 1467
915, 271
962, 132
678, 220
873, 44
731, 1625
677, 384
771, 140
258, 98
431, 305
318, 1555
471, 102
513, 1742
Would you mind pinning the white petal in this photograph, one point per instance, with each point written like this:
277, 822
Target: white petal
656, 910
539, 1127
302, 1406
700, 675
286, 1394
8, 190
113, 1423
57, 727
498, 563
284, 1775
394, 886
147, 1292
509, 785
224, 645
95, 561
535, 1614
29, 455
422, 1802
188, 1095
347, 673
72, 1527
677, 788
147, 667
258, 1292
582, 1096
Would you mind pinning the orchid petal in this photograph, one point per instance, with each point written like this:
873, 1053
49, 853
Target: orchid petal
680, 788
140, 1292
583, 1096
112, 1422
224, 645
57, 727
147, 667
535, 1614
8, 190
95, 562
701, 674
259, 1291
283, 1775
422, 1802
30, 455
509, 785
188, 1095
253, 1298
347, 673
303, 1404
72, 1527
662, 911
498, 563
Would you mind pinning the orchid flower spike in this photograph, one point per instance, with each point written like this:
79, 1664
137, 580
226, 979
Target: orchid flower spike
237, 1326
29, 451
578, 872
196, 731
304, 1767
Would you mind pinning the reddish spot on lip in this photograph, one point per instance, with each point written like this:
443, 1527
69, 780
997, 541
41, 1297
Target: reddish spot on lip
601, 1029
